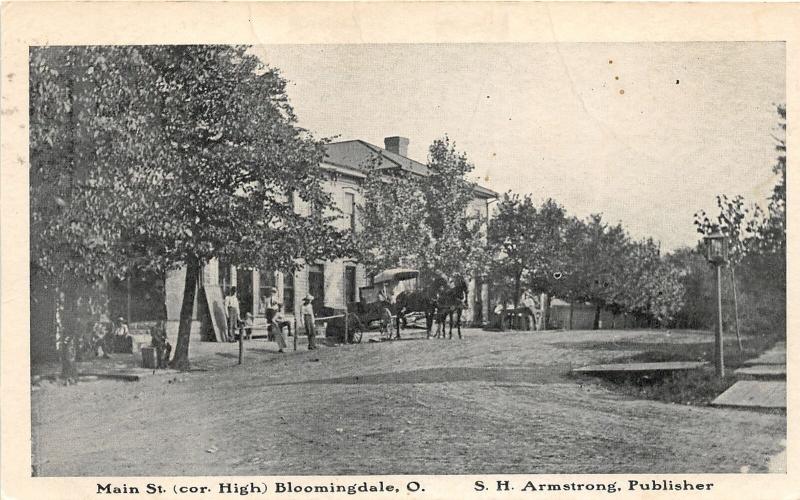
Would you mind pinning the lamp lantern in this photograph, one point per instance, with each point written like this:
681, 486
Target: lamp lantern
717, 254
716, 248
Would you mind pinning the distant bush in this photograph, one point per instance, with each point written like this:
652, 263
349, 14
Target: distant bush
760, 290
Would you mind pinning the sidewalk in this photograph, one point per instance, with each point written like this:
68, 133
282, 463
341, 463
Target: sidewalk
203, 356
763, 385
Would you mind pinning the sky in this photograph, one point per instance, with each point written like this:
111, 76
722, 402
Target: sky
645, 133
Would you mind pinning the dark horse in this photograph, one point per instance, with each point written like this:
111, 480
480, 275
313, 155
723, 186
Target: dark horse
451, 303
424, 300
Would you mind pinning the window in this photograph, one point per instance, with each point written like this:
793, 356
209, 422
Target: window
350, 209
288, 292
350, 283
244, 289
316, 286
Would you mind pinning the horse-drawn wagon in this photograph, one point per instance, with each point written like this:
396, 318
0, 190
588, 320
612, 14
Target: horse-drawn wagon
376, 301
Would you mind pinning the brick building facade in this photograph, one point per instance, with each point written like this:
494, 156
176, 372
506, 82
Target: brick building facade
332, 283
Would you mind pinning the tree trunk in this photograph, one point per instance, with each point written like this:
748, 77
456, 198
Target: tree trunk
181, 358
545, 311
736, 307
596, 322
571, 309
504, 299
514, 322
66, 344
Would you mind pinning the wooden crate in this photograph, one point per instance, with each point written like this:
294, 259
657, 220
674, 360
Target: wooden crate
149, 357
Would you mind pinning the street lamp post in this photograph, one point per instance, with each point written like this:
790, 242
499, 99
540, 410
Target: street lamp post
717, 254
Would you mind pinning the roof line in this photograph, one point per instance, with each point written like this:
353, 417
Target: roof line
379, 150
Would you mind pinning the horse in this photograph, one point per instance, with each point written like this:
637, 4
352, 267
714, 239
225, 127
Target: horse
424, 300
451, 303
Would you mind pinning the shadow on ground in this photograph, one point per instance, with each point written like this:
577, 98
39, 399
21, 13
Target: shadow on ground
647, 352
544, 375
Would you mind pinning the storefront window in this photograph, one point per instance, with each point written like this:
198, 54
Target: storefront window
316, 286
288, 293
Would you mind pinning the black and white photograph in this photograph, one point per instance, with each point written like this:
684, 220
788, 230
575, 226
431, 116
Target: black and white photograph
407, 259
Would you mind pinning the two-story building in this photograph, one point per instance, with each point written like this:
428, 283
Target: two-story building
333, 283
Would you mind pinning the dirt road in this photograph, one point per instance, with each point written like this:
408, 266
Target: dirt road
492, 402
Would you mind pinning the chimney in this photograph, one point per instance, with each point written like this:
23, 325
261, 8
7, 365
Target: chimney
397, 145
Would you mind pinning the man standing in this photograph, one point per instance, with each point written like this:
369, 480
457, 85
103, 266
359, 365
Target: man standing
232, 313
275, 325
270, 305
308, 320
158, 340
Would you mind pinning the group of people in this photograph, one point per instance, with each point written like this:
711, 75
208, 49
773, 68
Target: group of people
242, 328
118, 339
104, 340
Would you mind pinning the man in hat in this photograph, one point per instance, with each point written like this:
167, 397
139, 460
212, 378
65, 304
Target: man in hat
308, 320
270, 306
232, 313
159, 342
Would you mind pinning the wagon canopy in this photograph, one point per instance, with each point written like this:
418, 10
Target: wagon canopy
396, 274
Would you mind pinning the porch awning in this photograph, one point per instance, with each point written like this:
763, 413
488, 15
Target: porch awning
396, 274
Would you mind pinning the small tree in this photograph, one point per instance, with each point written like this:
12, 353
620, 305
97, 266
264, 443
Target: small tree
596, 257
649, 285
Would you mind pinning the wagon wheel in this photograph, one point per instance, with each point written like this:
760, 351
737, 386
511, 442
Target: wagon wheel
356, 332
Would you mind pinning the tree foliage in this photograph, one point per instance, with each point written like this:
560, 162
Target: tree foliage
423, 222
541, 250
160, 156
457, 237
526, 243
391, 214
757, 251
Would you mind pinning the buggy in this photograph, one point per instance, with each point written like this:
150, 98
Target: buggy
377, 302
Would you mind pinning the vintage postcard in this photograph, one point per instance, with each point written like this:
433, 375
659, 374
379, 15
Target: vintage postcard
398, 249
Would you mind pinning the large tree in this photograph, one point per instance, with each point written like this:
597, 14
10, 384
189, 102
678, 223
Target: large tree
391, 214
423, 221
204, 159
526, 244
457, 233
89, 115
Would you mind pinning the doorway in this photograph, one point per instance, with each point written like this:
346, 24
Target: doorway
244, 285
316, 287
